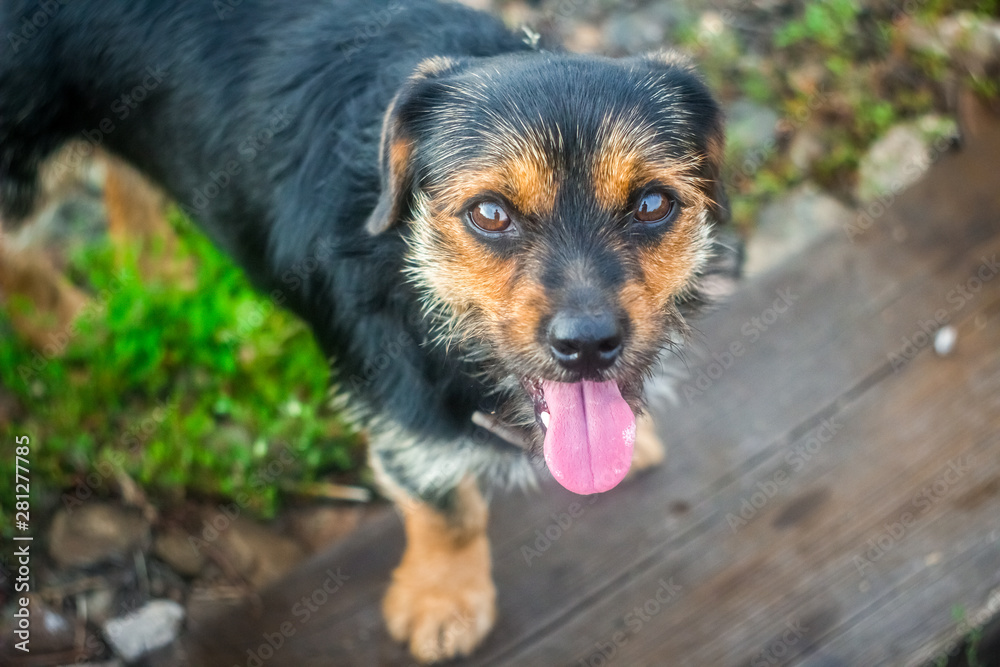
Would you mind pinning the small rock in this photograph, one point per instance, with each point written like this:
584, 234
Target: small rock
51, 630
99, 604
670, 15
790, 224
808, 78
257, 553
711, 26
518, 14
944, 340
175, 548
319, 527
923, 38
805, 149
585, 38
903, 155
972, 39
967, 38
164, 582
150, 627
633, 33
481, 5
751, 127
96, 532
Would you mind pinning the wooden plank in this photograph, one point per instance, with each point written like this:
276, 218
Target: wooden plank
827, 355
855, 306
802, 558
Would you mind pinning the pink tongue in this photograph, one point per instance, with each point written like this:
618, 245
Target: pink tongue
588, 444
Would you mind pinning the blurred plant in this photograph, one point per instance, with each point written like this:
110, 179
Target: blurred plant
838, 71
182, 389
830, 24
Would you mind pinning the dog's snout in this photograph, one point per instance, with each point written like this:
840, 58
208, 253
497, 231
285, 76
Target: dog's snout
585, 343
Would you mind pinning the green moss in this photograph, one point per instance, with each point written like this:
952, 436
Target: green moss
183, 390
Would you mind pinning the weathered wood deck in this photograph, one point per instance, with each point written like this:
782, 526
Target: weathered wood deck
829, 498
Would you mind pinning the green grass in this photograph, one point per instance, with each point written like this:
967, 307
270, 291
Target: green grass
212, 391
827, 24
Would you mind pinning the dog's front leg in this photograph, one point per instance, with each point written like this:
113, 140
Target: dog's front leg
442, 600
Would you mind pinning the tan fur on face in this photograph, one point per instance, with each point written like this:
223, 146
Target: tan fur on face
488, 297
461, 273
626, 161
485, 295
667, 268
523, 317
526, 179
465, 276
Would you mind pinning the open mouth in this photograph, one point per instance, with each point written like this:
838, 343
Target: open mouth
589, 432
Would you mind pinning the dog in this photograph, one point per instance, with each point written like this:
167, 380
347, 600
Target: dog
493, 240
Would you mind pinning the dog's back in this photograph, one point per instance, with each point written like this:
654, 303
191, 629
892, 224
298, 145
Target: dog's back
157, 82
262, 121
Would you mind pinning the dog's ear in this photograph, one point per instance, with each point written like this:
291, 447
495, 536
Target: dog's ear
398, 144
712, 172
681, 74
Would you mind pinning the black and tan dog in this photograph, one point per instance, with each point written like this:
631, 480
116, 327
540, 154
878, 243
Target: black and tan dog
494, 241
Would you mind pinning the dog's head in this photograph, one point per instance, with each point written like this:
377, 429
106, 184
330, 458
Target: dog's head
557, 210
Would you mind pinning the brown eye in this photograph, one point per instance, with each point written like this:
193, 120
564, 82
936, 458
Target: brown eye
655, 207
490, 217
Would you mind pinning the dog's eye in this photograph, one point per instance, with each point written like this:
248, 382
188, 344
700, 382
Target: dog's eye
490, 217
656, 207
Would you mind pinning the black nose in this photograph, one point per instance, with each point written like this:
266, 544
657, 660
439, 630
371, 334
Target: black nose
583, 342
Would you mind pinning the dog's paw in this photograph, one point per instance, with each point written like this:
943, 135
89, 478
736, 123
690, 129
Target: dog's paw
649, 450
444, 605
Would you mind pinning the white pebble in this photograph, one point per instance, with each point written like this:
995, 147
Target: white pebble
148, 628
944, 340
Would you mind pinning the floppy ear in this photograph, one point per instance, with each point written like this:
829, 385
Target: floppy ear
398, 145
712, 172
709, 118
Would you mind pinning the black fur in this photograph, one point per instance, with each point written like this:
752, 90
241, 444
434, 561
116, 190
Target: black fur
262, 119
